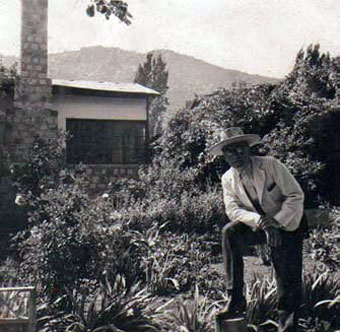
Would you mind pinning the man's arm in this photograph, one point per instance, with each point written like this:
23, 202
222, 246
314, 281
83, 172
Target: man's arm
234, 209
292, 206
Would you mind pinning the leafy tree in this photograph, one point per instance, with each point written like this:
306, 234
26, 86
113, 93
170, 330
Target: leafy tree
314, 74
297, 117
108, 8
153, 74
8, 76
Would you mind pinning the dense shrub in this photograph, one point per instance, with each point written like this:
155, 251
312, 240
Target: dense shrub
296, 116
163, 230
191, 131
323, 243
71, 237
75, 241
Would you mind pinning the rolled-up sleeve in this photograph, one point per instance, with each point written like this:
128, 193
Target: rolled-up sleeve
234, 208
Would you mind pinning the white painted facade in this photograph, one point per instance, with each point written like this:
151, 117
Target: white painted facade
98, 108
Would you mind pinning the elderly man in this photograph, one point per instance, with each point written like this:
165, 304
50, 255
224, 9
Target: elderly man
264, 204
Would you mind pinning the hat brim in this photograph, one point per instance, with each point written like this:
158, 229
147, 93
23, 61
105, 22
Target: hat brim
250, 139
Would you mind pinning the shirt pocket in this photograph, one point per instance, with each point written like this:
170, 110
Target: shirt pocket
271, 186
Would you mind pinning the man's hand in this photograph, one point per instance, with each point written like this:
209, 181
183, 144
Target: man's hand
271, 227
273, 236
266, 222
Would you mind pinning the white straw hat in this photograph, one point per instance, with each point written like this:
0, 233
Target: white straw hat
233, 135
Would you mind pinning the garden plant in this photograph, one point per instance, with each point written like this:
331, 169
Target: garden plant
140, 255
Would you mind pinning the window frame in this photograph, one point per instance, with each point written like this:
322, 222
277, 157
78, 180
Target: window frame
125, 158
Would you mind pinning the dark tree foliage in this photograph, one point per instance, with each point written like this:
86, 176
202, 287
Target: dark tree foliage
297, 117
8, 76
7, 80
153, 74
110, 8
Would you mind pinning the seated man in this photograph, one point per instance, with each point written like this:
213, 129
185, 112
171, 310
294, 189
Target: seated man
264, 203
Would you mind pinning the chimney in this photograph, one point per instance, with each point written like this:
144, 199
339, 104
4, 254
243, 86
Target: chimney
33, 114
34, 86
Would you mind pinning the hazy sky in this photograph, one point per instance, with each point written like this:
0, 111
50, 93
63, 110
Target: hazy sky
255, 36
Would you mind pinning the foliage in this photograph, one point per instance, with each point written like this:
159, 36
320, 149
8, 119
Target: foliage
9, 273
71, 237
166, 194
320, 304
319, 292
44, 169
75, 243
162, 232
108, 308
323, 244
174, 263
191, 131
8, 76
192, 315
110, 8
297, 117
314, 74
261, 301
153, 74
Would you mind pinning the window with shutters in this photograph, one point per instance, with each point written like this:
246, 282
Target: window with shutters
106, 141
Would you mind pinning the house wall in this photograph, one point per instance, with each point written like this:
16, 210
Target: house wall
99, 108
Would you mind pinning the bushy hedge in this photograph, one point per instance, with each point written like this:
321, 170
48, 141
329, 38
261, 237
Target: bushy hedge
297, 117
73, 239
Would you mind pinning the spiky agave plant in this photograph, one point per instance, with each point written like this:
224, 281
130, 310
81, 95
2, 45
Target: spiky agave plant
194, 315
115, 309
261, 298
320, 310
321, 299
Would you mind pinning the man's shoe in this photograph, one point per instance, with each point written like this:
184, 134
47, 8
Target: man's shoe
234, 309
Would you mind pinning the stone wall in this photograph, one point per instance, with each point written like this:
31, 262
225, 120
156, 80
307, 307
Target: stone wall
101, 175
32, 113
35, 86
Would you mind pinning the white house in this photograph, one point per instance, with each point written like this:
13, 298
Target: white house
108, 121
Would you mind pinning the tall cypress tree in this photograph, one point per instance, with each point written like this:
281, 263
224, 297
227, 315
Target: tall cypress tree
153, 74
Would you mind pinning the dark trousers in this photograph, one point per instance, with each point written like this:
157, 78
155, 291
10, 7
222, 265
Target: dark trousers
286, 259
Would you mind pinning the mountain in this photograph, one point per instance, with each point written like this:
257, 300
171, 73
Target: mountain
187, 75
